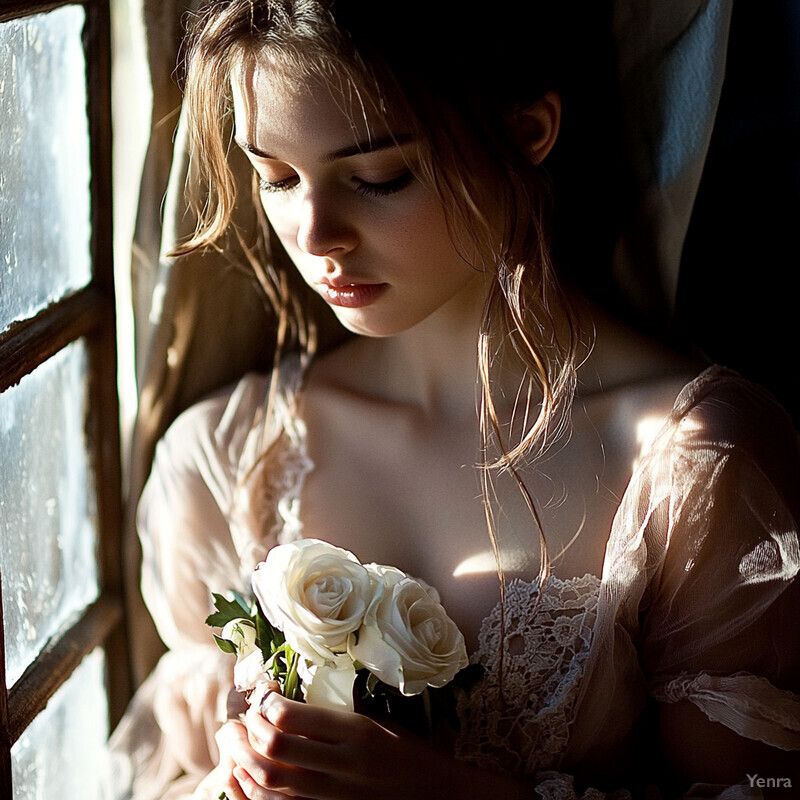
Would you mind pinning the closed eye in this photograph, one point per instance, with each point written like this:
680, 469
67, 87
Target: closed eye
366, 188
384, 188
284, 185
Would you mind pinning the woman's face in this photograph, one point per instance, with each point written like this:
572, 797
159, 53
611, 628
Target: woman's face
342, 197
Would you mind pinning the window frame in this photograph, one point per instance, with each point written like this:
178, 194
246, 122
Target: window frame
87, 314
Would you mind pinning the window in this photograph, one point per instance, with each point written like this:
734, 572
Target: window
64, 671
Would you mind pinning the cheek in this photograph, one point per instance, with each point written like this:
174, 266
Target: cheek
285, 226
421, 229
281, 219
435, 251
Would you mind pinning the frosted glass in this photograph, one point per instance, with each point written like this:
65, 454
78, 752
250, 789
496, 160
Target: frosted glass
44, 162
47, 512
62, 754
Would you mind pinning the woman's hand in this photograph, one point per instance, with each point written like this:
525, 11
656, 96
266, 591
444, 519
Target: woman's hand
307, 751
221, 781
297, 750
231, 737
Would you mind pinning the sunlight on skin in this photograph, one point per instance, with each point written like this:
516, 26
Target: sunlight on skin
482, 563
476, 565
646, 430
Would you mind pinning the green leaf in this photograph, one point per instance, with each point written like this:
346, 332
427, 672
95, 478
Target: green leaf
229, 610
225, 645
269, 638
291, 688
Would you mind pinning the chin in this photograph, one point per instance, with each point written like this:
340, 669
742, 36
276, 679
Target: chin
370, 331
375, 328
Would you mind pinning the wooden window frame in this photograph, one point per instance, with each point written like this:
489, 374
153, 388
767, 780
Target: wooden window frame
87, 314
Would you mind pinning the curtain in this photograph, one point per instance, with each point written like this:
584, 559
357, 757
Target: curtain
200, 321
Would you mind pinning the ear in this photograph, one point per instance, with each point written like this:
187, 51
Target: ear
537, 126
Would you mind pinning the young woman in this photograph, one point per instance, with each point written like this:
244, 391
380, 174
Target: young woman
484, 420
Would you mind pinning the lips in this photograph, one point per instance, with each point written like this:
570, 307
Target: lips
351, 295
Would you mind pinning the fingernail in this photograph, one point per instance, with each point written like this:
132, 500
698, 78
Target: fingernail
266, 702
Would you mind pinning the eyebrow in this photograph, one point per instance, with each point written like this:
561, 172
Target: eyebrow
357, 149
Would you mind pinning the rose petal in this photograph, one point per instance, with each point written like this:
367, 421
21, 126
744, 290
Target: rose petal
249, 671
330, 687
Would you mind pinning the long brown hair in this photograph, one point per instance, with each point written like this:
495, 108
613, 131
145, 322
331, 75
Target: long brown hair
458, 78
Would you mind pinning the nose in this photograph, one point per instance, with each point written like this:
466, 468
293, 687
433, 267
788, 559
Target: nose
325, 228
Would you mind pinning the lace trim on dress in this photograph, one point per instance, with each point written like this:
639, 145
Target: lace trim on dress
266, 501
518, 720
284, 475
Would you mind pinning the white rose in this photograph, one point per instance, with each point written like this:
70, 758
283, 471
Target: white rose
407, 639
249, 669
330, 685
241, 633
317, 594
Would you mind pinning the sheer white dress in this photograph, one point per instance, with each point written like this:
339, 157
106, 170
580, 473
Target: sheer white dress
698, 597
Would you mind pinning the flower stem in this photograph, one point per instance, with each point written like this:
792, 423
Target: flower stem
291, 687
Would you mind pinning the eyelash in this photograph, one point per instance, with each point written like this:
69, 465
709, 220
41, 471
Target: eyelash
362, 187
285, 185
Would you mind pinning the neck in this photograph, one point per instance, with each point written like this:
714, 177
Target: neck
434, 364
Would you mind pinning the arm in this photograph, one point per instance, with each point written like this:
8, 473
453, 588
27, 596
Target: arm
188, 552
720, 628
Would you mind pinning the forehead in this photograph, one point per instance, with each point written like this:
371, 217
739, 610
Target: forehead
275, 111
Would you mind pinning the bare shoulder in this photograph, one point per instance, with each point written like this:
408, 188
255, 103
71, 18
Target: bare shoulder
624, 358
627, 388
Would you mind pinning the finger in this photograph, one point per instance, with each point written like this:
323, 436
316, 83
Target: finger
235, 742
235, 750
251, 790
288, 748
288, 783
261, 770
231, 790
220, 783
231, 736
291, 716
338, 745
264, 780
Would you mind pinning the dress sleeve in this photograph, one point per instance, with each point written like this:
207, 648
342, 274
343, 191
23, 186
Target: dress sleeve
192, 546
719, 623
699, 592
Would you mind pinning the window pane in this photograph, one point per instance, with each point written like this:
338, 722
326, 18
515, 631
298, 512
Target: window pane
44, 163
47, 517
62, 753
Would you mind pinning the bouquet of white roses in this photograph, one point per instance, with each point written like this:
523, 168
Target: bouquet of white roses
322, 623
